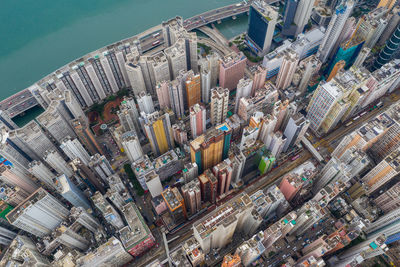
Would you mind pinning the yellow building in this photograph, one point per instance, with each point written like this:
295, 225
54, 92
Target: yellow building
159, 132
211, 148
387, 3
193, 90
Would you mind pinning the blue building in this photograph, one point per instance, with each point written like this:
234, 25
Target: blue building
390, 48
289, 28
345, 52
262, 21
71, 192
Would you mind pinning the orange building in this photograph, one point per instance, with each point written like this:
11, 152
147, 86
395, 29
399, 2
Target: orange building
338, 66
231, 261
208, 186
175, 204
193, 90
86, 137
211, 148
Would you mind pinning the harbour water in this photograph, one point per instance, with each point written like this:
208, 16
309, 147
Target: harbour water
40, 36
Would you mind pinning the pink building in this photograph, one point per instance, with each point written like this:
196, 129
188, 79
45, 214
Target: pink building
259, 79
223, 173
290, 186
15, 178
197, 119
287, 69
280, 113
231, 70
162, 90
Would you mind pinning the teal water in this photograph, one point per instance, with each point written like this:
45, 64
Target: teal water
40, 36
230, 27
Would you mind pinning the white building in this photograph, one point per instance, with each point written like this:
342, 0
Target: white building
74, 149
39, 214
54, 159
132, 148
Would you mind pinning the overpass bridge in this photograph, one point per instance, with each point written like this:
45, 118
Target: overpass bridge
219, 14
216, 15
312, 149
214, 35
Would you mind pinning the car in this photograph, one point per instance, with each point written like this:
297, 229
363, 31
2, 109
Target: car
288, 246
303, 244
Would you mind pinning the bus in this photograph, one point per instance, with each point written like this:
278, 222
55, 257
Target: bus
348, 124
363, 113
295, 157
380, 104
356, 118
155, 43
156, 35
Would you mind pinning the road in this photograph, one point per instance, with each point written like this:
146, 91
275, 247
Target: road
261, 182
275, 176
328, 142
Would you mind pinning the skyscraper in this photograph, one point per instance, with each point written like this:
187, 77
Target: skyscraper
13, 152
287, 69
210, 64
70, 192
244, 88
53, 121
223, 172
212, 147
259, 79
361, 57
145, 103
262, 21
74, 149
303, 14
158, 130
383, 172
219, 105
44, 174
193, 89
111, 253
198, 119
226, 220
107, 210
175, 204
136, 237
231, 70
205, 85
341, 14
289, 27
387, 3
176, 55
295, 130
162, 90
128, 115
132, 148
135, 75
192, 196
32, 136
208, 186
390, 48
39, 214
13, 177
54, 159
322, 101
177, 98
86, 136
